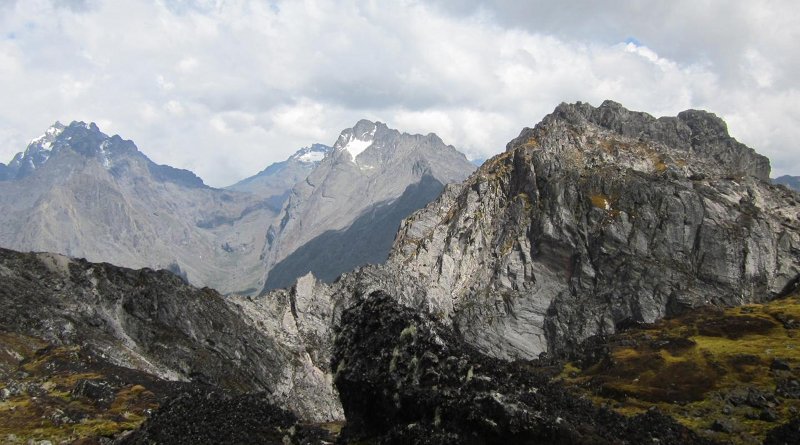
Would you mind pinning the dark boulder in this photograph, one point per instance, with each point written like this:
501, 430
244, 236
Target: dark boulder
404, 378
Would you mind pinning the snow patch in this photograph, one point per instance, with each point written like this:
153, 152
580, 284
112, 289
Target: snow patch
311, 156
48, 136
356, 146
35, 141
54, 131
104, 154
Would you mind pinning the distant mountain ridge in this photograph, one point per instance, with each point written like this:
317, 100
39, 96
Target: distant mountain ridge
89, 141
793, 182
277, 179
79, 192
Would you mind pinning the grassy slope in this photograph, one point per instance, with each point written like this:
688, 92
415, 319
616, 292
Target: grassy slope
44, 395
720, 372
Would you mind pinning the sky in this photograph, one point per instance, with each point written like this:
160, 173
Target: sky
224, 88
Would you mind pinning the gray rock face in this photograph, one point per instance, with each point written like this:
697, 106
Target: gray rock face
370, 168
793, 182
155, 322
79, 192
600, 216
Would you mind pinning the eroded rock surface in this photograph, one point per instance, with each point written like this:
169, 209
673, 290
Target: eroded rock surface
596, 217
155, 322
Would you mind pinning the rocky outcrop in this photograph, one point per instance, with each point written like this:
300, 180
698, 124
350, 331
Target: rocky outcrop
404, 378
374, 177
597, 217
207, 416
155, 322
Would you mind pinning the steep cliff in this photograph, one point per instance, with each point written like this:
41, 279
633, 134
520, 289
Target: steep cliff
597, 217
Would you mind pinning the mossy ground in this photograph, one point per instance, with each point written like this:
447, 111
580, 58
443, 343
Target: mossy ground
41, 402
736, 367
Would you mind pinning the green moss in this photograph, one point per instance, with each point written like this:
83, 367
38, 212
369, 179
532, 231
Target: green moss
689, 365
55, 372
409, 331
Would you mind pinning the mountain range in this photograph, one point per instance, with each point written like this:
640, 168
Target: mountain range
503, 302
82, 193
79, 192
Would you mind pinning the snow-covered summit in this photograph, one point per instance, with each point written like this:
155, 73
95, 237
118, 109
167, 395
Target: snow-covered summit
313, 154
45, 141
357, 139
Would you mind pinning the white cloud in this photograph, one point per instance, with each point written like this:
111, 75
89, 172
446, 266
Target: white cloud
226, 87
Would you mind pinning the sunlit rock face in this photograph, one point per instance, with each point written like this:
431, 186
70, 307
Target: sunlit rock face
596, 217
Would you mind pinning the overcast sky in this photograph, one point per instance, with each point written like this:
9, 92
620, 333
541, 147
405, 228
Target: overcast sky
224, 88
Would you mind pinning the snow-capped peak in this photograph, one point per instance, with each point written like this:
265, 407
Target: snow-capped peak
357, 139
312, 154
49, 136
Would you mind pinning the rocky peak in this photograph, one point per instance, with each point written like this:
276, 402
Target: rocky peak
375, 177
36, 154
599, 215
694, 144
87, 141
363, 127
312, 154
355, 140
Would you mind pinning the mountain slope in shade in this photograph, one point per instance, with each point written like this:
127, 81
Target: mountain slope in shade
80, 192
366, 241
793, 182
370, 168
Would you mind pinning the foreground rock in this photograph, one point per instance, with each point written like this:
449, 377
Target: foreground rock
732, 375
68, 394
404, 378
204, 416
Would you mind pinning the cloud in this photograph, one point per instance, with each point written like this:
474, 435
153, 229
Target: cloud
226, 87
